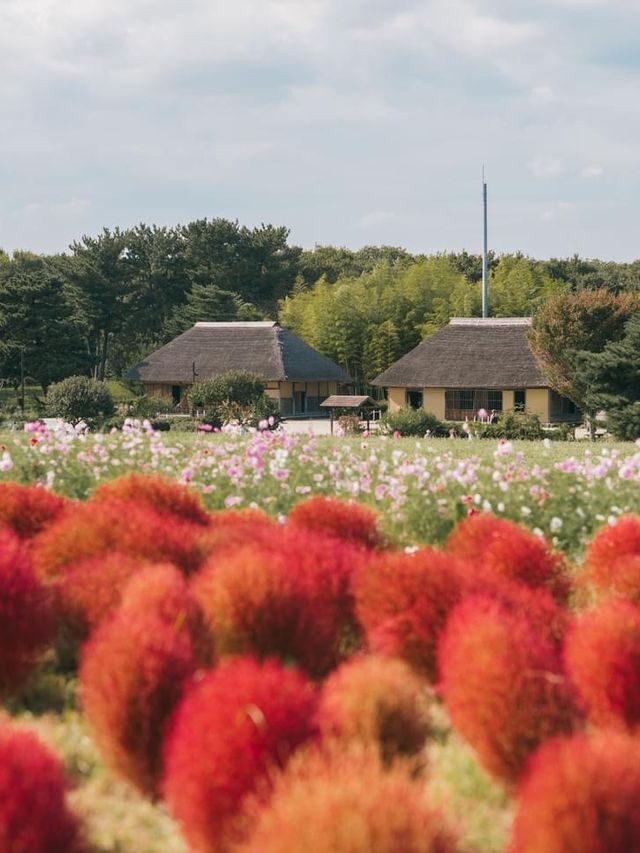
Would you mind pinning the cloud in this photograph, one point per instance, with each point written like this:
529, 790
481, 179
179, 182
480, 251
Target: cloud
592, 171
546, 167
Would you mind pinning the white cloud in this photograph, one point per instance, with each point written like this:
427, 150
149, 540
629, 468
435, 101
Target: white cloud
592, 172
546, 167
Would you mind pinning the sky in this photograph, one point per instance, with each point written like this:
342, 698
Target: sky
352, 122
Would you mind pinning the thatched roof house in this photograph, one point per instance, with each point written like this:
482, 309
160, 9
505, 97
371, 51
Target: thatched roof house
297, 376
471, 364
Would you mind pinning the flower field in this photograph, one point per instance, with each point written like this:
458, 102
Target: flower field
273, 643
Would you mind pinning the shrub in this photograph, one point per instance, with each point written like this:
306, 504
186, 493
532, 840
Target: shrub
512, 426
502, 685
403, 600
411, 422
330, 803
376, 702
511, 551
234, 395
235, 527
150, 406
34, 817
79, 398
603, 661
581, 793
29, 509
26, 624
133, 671
349, 423
91, 530
350, 521
159, 492
287, 596
612, 560
624, 422
236, 724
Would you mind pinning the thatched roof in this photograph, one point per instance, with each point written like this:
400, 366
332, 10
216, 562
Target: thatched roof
470, 353
264, 348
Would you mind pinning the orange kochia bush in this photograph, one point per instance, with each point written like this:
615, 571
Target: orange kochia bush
34, 817
344, 800
502, 684
612, 560
29, 509
26, 621
162, 494
287, 595
581, 793
132, 675
351, 521
233, 727
603, 661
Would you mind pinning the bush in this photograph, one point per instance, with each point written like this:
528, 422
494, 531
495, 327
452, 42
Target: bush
411, 422
29, 509
345, 801
160, 493
612, 560
34, 817
351, 521
603, 661
235, 387
132, 675
26, 624
349, 424
624, 423
502, 684
581, 793
151, 406
378, 703
512, 425
79, 398
234, 726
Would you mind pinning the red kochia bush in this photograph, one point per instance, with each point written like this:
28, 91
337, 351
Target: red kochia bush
612, 560
581, 794
376, 702
230, 730
403, 600
29, 509
26, 623
502, 684
34, 817
229, 528
509, 550
133, 671
351, 521
602, 656
93, 529
345, 801
163, 495
287, 596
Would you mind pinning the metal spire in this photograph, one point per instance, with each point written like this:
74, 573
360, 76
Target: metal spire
485, 260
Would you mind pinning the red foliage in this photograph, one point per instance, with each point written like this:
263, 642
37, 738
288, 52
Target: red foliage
242, 719
581, 793
26, 623
229, 528
376, 702
29, 509
502, 684
350, 521
602, 657
93, 529
163, 591
345, 801
612, 561
511, 551
34, 817
403, 600
162, 494
132, 675
287, 596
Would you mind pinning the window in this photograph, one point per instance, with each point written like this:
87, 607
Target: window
463, 403
414, 398
563, 409
176, 393
520, 400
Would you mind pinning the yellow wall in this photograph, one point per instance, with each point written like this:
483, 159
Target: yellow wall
507, 401
397, 398
433, 401
538, 403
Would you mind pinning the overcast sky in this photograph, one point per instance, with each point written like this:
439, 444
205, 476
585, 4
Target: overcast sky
352, 122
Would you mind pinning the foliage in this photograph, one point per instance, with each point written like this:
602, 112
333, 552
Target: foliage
160, 493
150, 406
29, 509
612, 560
411, 422
350, 522
228, 394
512, 425
79, 398
212, 304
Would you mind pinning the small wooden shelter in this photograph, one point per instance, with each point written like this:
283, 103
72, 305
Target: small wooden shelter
363, 406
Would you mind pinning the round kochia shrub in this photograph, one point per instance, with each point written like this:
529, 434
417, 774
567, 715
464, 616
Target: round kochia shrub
29, 509
602, 655
34, 817
287, 596
376, 702
132, 675
403, 600
26, 623
345, 801
162, 494
612, 560
351, 521
229, 528
583, 794
231, 729
502, 684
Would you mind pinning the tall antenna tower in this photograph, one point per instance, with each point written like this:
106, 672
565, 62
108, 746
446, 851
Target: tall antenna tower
485, 259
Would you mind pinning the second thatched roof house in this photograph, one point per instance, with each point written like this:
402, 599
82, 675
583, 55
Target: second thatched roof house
474, 364
296, 375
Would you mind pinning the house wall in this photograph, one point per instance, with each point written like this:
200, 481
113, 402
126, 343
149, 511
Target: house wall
396, 398
508, 403
538, 403
157, 390
433, 401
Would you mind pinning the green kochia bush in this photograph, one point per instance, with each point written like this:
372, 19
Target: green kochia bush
411, 422
79, 398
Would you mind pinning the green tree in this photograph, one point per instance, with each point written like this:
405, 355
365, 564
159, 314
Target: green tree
209, 303
79, 398
518, 286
